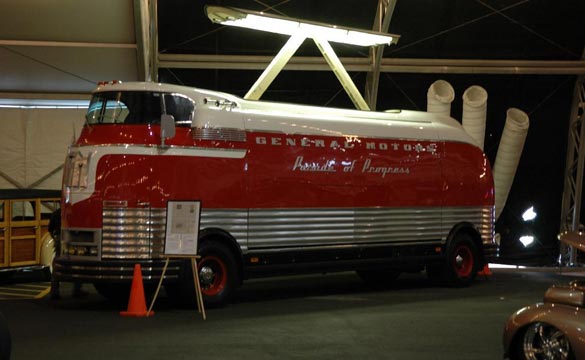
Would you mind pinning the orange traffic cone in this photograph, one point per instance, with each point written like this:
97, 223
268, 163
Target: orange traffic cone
137, 301
486, 271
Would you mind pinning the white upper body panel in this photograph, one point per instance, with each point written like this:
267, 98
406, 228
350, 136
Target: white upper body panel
221, 110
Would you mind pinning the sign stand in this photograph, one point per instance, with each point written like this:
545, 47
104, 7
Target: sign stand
196, 283
182, 234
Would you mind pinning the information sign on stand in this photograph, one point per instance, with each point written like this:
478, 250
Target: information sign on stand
182, 228
182, 233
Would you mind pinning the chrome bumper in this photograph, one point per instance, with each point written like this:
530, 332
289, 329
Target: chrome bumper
113, 271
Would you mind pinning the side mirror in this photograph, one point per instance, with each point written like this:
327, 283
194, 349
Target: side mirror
167, 127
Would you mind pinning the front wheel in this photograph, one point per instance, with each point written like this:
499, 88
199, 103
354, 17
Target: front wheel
542, 341
217, 273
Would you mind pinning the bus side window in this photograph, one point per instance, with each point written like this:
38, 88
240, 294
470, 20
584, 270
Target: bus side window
181, 108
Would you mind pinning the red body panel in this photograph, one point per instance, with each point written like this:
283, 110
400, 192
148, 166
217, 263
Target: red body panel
284, 171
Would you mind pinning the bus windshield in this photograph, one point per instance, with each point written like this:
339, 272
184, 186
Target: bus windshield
138, 107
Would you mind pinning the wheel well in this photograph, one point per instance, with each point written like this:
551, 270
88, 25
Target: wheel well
514, 343
468, 229
225, 238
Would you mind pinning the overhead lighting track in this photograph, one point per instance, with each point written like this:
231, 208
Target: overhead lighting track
299, 30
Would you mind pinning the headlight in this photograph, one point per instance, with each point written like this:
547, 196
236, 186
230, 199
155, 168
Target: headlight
77, 170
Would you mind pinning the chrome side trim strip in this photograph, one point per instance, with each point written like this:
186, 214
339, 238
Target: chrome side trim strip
323, 227
234, 221
337, 247
139, 233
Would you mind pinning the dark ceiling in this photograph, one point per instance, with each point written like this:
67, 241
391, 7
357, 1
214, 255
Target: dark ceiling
430, 29
454, 29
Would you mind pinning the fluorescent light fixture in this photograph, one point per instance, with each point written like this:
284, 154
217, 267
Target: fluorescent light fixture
529, 214
289, 26
527, 240
43, 104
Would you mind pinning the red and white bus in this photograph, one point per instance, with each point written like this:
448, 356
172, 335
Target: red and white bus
283, 188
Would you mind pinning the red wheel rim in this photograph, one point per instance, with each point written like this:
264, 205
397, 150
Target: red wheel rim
212, 274
463, 261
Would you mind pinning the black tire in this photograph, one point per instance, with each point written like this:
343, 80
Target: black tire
218, 277
217, 273
462, 263
379, 277
541, 341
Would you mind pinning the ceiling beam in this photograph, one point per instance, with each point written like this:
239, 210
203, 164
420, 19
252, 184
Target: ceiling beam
70, 44
429, 66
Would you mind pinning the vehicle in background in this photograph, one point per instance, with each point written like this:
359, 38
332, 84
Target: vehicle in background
25, 243
554, 328
549, 330
283, 189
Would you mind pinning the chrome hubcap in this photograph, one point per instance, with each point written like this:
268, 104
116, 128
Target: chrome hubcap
459, 261
206, 275
543, 341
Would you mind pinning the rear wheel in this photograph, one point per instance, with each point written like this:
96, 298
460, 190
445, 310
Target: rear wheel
462, 263
541, 341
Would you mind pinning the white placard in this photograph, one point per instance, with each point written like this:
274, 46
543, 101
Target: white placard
182, 228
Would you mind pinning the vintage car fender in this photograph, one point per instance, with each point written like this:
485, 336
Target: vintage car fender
47, 251
569, 319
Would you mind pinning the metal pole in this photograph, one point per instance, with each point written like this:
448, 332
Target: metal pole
153, 41
573, 188
381, 23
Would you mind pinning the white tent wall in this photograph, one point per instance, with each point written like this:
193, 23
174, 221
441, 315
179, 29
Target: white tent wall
33, 144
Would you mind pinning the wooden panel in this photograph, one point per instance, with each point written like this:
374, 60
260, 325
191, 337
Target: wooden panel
24, 231
2, 243
23, 250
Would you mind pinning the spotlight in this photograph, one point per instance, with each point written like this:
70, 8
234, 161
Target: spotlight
527, 240
529, 214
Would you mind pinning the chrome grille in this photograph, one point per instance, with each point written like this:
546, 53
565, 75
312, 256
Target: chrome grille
133, 233
224, 134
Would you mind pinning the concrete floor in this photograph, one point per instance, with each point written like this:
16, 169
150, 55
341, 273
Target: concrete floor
333, 316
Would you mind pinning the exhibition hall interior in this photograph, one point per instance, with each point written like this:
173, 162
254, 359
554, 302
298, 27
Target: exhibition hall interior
292, 179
